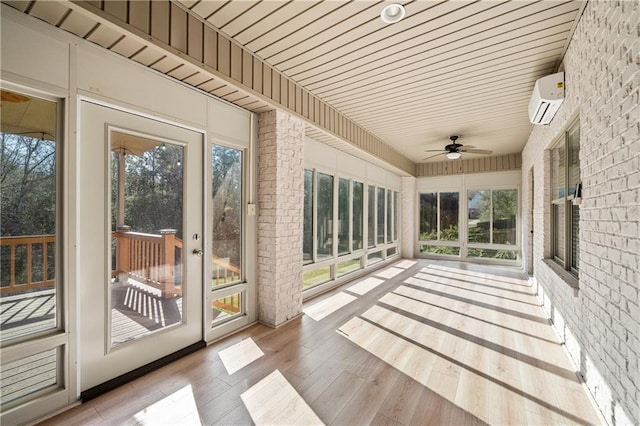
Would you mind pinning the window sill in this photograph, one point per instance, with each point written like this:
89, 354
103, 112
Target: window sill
564, 275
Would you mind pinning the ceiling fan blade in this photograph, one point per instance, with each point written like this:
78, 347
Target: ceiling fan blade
477, 151
425, 159
435, 150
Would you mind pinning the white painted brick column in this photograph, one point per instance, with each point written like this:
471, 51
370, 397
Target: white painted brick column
280, 203
408, 215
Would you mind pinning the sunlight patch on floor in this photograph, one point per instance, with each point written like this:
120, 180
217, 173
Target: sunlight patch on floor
273, 401
328, 306
178, 408
240, 355
365, 286
389, 272
405, 264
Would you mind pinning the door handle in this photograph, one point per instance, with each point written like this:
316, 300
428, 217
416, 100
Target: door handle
197, 252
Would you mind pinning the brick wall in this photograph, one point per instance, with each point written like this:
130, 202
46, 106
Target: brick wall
280, 198
599, 323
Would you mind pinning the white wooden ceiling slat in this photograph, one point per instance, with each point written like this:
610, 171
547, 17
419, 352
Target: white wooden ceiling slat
166, 64
335, 41
207, 7
183, 72
459, 76
21, 5
445, 88
229, 11
197, 79
449, 67
147, 56
468, 54
425, 47
189, 3
127, 46
258, 38
461, 108
78, 24
104, 36
408, 81
296, 41
51, 12
267, 16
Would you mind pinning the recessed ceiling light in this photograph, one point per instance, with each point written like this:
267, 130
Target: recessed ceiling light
392, 13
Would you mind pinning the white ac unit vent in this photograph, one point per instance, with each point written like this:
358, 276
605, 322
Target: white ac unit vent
547, 96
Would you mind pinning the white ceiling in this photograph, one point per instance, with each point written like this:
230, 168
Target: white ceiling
449, 67
456, 67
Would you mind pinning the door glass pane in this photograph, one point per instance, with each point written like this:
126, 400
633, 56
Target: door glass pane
380, 216
428, 217
371, 212
505, 204
325, 216
389, 216
226, 244
343, 216
226, 308
357, 215
479, 216
146, 226
307, 239
449, 202
28, 249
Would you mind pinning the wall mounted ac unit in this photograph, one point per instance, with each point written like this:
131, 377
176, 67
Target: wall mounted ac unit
547, 96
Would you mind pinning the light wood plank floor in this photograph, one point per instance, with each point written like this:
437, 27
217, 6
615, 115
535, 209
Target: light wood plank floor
435, 343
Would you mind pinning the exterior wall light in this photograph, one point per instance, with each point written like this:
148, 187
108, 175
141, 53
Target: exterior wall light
392, 13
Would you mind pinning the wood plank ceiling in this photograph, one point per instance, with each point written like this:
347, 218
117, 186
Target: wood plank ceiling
449, 67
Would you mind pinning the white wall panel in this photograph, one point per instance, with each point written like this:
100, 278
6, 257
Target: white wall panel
118, 79
36, 57
229, 123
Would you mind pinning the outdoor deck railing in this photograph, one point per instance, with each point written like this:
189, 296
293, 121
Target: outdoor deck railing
153, 259
149, 258
28, 262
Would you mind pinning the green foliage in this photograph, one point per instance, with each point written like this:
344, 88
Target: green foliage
27, 185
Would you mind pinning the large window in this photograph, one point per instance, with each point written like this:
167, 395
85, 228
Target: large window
33, 349
565, 188
307, 238
371, 210
439, 217
380, 216
345, 216
491, 223
325, 216
358, 204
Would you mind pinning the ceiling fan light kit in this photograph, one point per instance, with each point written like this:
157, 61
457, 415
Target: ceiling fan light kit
454, 150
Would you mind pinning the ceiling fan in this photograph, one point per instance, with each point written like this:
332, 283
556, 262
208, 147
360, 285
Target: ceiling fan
454, 150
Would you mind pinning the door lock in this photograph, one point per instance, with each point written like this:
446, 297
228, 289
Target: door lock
197, 252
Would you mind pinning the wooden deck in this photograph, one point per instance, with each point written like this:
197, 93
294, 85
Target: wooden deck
423, 343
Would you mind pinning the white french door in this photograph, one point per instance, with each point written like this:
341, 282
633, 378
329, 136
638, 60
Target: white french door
141, 243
